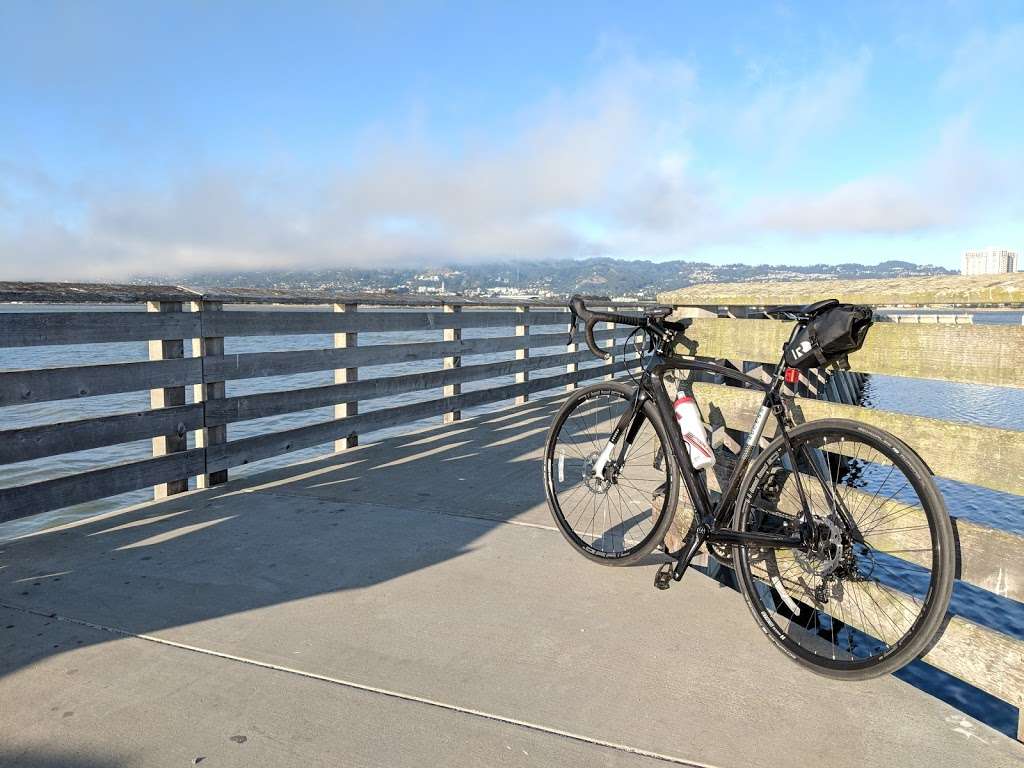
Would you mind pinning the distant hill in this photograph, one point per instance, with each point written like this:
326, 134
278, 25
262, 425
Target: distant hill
604, 276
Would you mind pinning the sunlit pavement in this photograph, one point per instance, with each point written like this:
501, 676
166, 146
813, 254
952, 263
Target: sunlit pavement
409, 603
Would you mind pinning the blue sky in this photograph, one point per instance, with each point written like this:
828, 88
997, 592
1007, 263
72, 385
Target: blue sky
180, 136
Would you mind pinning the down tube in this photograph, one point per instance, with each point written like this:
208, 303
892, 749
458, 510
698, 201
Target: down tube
694, 487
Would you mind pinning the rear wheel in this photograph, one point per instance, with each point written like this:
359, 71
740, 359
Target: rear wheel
617, 517
871, 593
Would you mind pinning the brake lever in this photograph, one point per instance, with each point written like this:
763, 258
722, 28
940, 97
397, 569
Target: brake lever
573, 321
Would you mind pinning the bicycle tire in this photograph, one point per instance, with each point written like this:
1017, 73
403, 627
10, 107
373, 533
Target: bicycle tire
921, 632
662, 517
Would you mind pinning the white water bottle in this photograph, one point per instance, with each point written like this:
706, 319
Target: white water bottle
694, 435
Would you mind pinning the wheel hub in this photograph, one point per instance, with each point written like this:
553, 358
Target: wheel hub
826, 554
594, 482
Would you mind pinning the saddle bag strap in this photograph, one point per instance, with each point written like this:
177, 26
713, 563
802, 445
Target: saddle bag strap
812, 334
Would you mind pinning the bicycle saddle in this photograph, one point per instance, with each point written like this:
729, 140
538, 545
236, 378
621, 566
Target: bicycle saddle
805, 312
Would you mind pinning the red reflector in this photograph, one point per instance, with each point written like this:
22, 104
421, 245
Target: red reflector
792, 376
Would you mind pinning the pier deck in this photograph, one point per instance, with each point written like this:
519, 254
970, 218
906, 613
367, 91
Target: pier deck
409, 603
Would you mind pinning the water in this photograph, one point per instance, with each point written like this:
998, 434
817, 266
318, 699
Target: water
986, 406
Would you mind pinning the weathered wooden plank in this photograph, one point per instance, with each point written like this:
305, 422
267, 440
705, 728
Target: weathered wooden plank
994, 661
304, 297
522, 331
91, 293
259, 406
451, 390
68, 436
254, 323
165, 396
24, 500
209, 390
974, 354
258, 364
45, 384
985, 456
949, 289
251, 449
32, 329
350, 407
109, 293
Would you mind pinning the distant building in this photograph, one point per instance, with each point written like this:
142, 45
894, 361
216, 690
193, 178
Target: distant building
988, 261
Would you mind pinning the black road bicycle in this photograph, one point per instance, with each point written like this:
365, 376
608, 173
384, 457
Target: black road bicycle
838, 536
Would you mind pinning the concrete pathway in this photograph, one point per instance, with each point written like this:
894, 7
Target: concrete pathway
409, 603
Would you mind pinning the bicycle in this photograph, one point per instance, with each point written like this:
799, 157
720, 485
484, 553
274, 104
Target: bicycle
846, 573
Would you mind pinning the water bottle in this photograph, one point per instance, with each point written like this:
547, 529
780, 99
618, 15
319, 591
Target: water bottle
694, 435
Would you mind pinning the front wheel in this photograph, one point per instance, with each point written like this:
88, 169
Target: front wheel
614, 510
869, 592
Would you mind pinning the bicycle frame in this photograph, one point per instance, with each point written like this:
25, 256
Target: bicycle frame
714, 517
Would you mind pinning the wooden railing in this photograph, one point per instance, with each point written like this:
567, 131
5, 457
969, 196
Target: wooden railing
990, 457
179, 320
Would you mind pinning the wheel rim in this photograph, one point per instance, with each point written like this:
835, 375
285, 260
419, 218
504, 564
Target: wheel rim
846, 602
616, 515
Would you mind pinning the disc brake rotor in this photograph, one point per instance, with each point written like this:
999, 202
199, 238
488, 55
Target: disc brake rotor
595, 483
823, 560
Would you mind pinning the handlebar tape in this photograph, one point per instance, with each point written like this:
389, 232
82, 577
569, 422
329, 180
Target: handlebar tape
592, 343
591, 318
577, 305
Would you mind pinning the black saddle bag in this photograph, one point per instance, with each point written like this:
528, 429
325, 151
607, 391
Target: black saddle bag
830, 337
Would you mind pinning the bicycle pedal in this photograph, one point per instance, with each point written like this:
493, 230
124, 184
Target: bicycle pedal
663, 578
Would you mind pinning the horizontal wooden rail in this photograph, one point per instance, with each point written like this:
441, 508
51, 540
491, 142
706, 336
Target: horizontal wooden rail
92, 293
244, 407
285, 323
985, 456
35, 329
246, 450
259, 364
973, 354
45, 384
83, 434
60, 492
958, 290
112, 293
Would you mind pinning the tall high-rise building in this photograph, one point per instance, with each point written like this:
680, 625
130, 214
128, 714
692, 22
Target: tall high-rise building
988, 261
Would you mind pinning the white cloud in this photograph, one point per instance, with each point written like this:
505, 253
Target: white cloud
784, 112
609, 168
955, 184
403, 200
987, 60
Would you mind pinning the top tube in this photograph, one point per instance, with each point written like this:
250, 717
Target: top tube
675, 362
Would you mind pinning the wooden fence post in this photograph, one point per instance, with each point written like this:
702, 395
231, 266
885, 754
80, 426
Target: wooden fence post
574, 366
455, 361
523, 353
203, 347
344, 376
683, 313
165, 397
